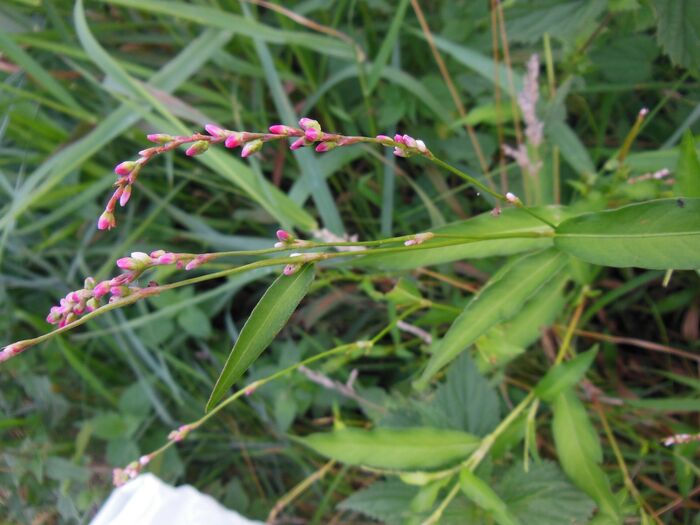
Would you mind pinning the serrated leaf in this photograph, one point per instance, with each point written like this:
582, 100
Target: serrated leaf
477, 490
387, 501
688, 169
579, 451
528, 21
266, 320
660, 234
678, 31
511, 221
466, 399
564, 376
502, 298
394, 448
544, 496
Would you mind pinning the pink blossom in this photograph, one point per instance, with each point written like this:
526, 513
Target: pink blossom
312, 134
280, 129
160, 138
101, 289
197, 148
214, 131
106, 221
298, 144
284, 236
125, 196
326, 146
233, 140
124, 168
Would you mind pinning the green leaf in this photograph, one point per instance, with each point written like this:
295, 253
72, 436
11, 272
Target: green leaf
502, 298
572, 149
678, 31
404, 293
579, 451
661, 234
667, 404
386, 501
564, 376
477, 490
267, 318
504, 342
466, 399
387, 46
544, 496
688, 169
512, 221
394, 448
195, 322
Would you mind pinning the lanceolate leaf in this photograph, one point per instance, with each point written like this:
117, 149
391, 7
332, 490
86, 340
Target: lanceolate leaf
484, 496
564, 376
394, 448
268, 317
498, 301
661, 234
511, 221
580, 453
688, 170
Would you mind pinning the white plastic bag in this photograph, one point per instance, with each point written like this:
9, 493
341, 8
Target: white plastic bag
146, 500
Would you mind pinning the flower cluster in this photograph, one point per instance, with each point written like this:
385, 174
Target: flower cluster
180, 433
89, 298
308, 134
121, 475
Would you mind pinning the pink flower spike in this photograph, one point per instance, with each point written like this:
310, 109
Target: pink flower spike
125, 196
106, 221
233, 140
101, 289
298, 144
214, 131
124, 168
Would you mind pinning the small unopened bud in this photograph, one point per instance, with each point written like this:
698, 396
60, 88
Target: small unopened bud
298, 144
197, 148
399, 152
166, 258
312, 134
643, 112
124, 168
125, 196
106, 221
160, 138
410, 141
233, 140
326, 146
120, 291
307, 123
101, 289
512, 198
398, 138
385, 139
291, 269
284, 236
421, 146
89, 283
251, 147
214, 131
419, 238
92, 304
496, 212
280, 129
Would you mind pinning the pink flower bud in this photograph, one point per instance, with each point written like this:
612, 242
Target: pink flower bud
384, 139
125, 196
198, 147
312, 134
214, 131
410, 141
141, 257
127, 263
510, 197
280, 129
251, 147
399, 152
125, 168
160, 138
643, 112
119, 291
421, 146
284, 236
92, 304
298, 144
106, 221
306, 123
233, 140
89, 283
398, 138
167, 258
326, 146
101, 289
291, 269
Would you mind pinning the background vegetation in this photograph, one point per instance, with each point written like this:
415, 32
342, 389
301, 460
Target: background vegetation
83, 84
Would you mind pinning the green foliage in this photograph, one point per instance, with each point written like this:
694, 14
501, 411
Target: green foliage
688, 169
394, 448
477, 490
662, 234
564, 376
266, 320
679, 31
